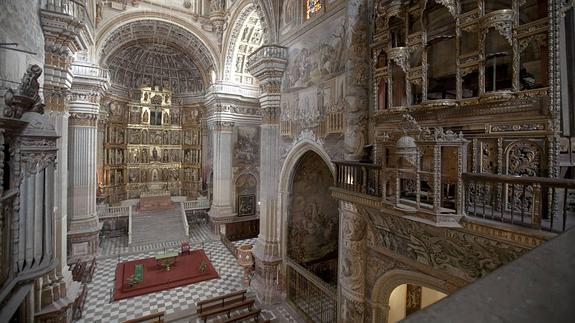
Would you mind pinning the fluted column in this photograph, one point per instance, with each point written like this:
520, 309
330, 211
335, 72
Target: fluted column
89, 84
222, 147
268, 65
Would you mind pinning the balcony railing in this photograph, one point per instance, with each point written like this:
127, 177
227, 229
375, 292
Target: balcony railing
536, 202
357, 177
540, 203
73, 8
268, 52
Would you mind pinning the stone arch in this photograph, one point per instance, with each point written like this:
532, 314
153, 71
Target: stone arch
240, 188
387, 282
245, 10
286, 175
108, 28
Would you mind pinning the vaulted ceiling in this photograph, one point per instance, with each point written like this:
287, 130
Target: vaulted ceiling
153, 52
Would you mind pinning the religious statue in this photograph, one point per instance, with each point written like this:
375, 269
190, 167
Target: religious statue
155, 154
146, 117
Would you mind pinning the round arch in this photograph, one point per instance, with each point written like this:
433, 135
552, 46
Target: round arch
386, 283
139, 15
286, 175
244, 10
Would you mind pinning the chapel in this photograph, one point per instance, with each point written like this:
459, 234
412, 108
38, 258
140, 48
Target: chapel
287, 161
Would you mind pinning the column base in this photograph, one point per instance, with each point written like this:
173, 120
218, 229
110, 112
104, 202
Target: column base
83, 238
218, 216
267, 282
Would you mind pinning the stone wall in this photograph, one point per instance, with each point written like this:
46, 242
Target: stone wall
20, 23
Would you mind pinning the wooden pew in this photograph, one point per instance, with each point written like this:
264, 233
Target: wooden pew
227, 309
221, 301
154, 317
253, 314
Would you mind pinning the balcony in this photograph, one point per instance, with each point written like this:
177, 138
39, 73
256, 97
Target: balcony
538, 203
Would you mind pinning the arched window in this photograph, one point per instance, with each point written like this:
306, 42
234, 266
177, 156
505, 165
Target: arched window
312, 8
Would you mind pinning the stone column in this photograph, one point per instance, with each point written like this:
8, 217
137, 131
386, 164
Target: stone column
268, 65
356, 79
90, 82
102, 123
352, 264
221, 208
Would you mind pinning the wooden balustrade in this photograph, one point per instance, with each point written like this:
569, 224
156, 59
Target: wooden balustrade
536, 202
358, 177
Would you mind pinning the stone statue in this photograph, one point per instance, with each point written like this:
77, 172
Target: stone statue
26, 98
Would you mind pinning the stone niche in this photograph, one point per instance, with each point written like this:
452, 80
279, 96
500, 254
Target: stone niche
313, 219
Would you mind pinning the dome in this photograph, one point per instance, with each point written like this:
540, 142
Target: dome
151, 64
406, 142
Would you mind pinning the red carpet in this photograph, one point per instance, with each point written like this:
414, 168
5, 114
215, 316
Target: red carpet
185, 271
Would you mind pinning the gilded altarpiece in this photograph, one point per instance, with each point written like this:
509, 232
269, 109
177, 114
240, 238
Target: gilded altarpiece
152, 146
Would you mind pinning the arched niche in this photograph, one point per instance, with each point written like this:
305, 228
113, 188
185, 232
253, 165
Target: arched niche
494, 5
387, 283
532, 10
498, 62
312, 226
398, 89
439, 25
246, 188
397, 33
533, 63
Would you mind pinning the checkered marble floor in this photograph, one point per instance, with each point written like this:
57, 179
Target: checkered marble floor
99, 309
251, 242
199, 233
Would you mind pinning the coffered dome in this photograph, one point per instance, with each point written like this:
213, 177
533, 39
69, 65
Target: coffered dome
155, 63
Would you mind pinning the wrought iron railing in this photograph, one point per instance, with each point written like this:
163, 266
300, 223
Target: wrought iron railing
358, 177
310, 295
540, 203
536, 202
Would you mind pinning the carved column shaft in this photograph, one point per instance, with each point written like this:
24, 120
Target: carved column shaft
352, 264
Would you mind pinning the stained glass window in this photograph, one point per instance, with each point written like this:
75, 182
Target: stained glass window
312, 7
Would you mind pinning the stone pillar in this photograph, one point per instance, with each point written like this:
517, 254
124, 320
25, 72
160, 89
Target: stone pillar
356, 79
221, 208
217, 18
268, 65
90, 82
352, 264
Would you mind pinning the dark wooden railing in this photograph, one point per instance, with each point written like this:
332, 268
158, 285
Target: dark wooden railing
358, 177
536, 202
154, 317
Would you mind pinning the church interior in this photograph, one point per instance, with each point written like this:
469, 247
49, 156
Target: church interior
287, 161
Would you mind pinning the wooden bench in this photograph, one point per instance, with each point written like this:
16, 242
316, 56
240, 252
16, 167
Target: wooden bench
227, 309
221, 301
155, 317
254, 314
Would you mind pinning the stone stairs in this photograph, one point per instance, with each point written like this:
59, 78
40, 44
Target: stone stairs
157, 226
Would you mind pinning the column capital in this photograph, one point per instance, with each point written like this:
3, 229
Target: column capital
221, 126
83, 119
270, 115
